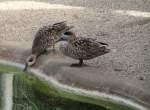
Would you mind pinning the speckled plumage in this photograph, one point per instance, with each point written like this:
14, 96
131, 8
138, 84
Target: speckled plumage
83, 48
46, 36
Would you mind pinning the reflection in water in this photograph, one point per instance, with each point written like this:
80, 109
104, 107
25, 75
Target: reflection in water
6, 91
32, 93
27, 97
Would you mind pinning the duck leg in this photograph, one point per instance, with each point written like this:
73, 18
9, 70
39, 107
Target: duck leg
54, 48
45, 51
78, 64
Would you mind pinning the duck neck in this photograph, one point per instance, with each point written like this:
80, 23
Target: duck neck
72, 38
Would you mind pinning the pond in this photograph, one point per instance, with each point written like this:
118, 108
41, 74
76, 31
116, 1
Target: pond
24, 91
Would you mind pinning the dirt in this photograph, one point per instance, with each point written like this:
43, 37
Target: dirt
124, 25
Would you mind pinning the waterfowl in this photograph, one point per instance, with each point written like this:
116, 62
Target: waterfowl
45, 38
81, 48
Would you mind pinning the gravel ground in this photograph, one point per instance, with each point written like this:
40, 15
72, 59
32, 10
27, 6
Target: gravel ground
124, 25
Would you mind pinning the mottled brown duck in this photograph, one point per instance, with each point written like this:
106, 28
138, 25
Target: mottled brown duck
81, 48
45, 38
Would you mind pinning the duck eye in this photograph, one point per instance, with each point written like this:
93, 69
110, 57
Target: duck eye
68, 33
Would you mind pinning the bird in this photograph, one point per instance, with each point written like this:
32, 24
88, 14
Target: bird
44, 38
81, 48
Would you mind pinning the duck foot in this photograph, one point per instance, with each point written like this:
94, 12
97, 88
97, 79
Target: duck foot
76, 65
80, 64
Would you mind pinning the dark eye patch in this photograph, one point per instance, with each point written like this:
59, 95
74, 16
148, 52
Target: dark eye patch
68, 33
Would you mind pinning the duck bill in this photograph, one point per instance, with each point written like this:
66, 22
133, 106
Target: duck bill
61, 39
68, 28
25, 68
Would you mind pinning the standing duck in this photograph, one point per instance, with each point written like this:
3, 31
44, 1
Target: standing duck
81, 48
44, 39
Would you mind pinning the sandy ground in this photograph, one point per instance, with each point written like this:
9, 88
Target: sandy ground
124, 25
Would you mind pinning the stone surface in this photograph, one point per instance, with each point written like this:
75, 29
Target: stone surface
125, 25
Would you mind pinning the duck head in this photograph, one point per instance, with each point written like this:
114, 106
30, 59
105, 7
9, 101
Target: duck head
67, 36
30, 61
60, 27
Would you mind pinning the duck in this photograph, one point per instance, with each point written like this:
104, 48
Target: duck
81, 48
45, 38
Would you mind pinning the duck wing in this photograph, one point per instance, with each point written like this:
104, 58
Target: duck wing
90, 47
88, 44
46, 36
42, 40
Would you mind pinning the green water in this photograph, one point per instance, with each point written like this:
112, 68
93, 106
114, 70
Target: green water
29, 93
26, 97
33, 93
0, 92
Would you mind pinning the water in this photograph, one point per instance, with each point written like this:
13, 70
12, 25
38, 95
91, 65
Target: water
6, 91
27, 97
30, 98
29, 92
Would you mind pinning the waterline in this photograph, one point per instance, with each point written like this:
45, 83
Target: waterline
83, 95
